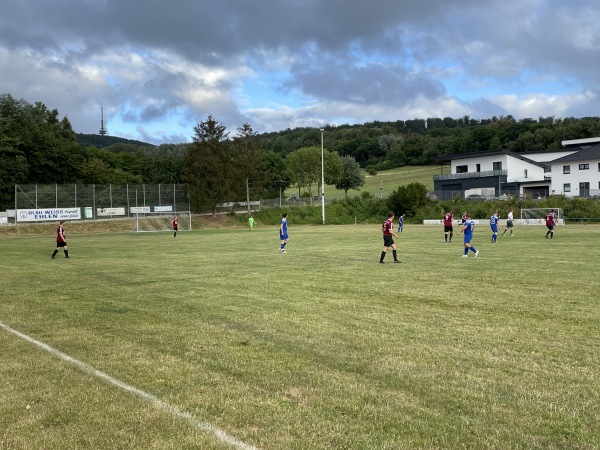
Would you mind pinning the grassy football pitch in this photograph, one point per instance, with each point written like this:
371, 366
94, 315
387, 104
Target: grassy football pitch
217, 340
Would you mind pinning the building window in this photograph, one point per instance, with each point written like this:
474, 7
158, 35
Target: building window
497, 165
567, 169
477, 167
525, 173
548, 168
584, 166
598, 167
462, 169
567, 187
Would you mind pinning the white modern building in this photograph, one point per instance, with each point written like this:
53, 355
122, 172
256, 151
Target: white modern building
577, 174
571, 171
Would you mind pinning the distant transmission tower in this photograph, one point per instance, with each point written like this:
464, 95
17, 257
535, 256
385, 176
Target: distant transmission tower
102, 129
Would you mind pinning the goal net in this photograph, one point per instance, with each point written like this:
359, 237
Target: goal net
161, 221
537, 216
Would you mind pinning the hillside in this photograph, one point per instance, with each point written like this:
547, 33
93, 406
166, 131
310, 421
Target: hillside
98, 141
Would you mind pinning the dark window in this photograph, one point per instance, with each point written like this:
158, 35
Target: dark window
584, 166
525, 173
462, 169
567, 187
567, 169
497, 165
478, 168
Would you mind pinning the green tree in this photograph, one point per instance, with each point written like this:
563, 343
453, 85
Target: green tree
332, 168
304, 166
13, 167
408, 199
251, 165
36, 146
209, 166
352, 177
278, 177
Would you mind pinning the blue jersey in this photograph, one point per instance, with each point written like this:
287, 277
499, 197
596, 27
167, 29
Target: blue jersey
494, 222
283, 230
469, 230
400, 222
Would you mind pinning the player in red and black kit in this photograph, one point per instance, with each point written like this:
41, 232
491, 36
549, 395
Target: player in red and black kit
175, 224
388, 238
550, 223
448, 226
61, 240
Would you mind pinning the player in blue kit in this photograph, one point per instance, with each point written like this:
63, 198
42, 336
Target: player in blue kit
283, 233
494, 219
467, 228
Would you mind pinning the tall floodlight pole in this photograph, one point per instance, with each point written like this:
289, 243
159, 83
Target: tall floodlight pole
322, 180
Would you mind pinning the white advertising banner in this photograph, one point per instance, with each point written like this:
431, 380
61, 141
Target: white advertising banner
110, 212
139, 209
37, 215
163, 208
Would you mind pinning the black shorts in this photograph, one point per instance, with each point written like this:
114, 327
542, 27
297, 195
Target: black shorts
61, 244
509, 224
448, 228
388, 241
550, 227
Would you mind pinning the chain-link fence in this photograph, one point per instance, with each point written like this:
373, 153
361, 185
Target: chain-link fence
100, 201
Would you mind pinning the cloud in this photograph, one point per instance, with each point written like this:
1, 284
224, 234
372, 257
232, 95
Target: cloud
162, 68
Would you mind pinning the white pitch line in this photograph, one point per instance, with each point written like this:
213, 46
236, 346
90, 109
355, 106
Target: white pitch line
171, 409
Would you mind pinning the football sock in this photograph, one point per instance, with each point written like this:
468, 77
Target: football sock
395, 255
451, 236
473, 249
551, 234
66, 253
382, 256
446, 237
466, 250
54, 254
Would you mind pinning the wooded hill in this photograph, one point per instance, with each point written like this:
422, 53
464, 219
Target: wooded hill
38, 146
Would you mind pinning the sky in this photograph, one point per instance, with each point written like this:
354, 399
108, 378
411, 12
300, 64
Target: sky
159, 68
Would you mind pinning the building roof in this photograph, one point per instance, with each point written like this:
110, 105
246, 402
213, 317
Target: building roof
587, 154
581, 142
450, 158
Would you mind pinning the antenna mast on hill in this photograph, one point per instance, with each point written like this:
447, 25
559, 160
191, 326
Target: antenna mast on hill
102, 129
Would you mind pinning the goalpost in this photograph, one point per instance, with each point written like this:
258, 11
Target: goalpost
161, 221
537, 216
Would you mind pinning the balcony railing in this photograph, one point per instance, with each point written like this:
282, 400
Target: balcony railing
459, 176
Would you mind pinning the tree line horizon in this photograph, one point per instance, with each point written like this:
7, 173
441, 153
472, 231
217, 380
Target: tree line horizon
37, 146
